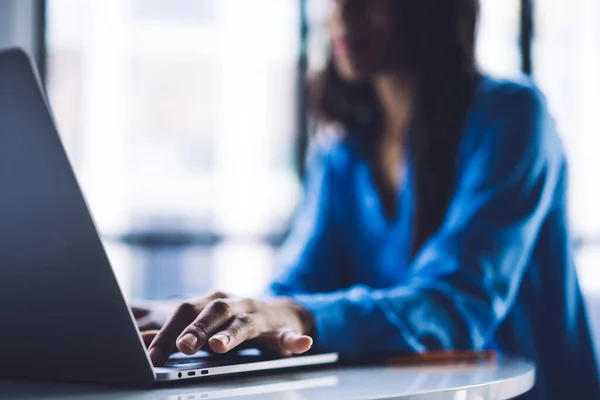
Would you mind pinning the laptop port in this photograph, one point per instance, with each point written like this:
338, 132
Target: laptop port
204, 372
192, 373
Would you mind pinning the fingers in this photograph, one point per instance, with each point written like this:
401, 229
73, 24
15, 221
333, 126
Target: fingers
252, 328
286, 342
242, 328
222, 324
163, 343
212, 319
294, 342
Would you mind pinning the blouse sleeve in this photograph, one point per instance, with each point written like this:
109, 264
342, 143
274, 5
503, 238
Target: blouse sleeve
306, 259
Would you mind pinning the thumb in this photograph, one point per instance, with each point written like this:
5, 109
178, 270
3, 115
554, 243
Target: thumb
294, 342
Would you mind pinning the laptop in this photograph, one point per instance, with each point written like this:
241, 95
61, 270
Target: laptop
63, 316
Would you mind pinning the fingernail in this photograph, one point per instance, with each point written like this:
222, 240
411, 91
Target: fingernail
223, 339
189, 340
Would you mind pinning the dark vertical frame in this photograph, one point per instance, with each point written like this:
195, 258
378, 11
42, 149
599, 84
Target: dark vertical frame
302, 134
40, 37
526, 36
36, 23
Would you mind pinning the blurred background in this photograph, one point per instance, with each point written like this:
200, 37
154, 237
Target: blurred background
185, 121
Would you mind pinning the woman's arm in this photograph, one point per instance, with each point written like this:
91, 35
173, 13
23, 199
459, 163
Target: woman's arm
307, 258
466, 277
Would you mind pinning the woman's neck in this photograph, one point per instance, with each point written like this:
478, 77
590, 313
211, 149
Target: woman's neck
396, 96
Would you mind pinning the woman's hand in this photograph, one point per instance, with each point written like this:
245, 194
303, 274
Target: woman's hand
221, 323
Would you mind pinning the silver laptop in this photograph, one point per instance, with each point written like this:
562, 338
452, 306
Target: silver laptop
62, 313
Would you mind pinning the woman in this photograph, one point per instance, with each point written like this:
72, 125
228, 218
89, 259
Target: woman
437, 220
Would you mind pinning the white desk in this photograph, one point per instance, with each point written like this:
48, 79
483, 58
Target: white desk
501, 379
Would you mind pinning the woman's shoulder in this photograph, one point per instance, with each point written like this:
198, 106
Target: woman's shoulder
502, 95
494, 84
509, 111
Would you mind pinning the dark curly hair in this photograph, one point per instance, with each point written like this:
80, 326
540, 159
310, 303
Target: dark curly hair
435, 39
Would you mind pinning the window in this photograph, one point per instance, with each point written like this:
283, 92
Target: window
566, 65
179, 118
498, 37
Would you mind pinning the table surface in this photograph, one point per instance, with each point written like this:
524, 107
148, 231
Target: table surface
500, 379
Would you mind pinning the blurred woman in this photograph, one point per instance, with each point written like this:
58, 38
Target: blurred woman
434, 216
